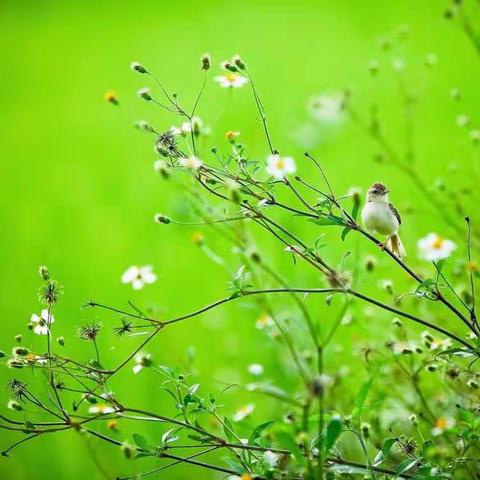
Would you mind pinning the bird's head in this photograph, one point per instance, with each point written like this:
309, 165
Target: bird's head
377, 192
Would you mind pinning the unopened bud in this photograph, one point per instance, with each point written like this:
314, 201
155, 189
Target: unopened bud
229, 66
396, 322
138, 67
14, 405
198, 238
206, 61
365, 428
238, 62
128, 450
61, 341
370, 263
161, 167
44, 273
18, 338
144, 126
145, 94
159, 218
20, 351
473, 384
413, 419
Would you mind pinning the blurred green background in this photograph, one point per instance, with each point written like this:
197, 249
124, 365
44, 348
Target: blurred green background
79, 192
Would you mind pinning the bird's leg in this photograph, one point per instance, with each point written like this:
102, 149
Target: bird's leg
383, 245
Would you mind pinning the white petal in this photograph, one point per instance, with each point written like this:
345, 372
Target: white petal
40, 329
137, 368
45, 316
34, 318
137, 284
130, 274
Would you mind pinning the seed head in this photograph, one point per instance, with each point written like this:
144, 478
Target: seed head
49, 292
17, 389
126, 327
90, 331
238, 62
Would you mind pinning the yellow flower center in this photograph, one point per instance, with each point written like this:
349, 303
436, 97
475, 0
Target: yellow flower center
231, 77
437, 243
472, 266
441, 423
280, 164
246, 476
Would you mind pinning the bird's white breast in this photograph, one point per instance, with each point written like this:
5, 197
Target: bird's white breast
378, 217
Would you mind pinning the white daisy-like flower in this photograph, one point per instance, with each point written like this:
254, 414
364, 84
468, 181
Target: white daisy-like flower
442, 424
243, 412
42, 323
142, 361
270, 458
232, 80
434, 248
255, 369
139, 276
191, 162
101, 408
264, 321
183, 129
327, 108
278, 166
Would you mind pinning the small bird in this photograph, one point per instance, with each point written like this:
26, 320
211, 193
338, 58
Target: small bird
380, 216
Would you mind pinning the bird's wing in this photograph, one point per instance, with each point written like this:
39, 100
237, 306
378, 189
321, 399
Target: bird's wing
395, 212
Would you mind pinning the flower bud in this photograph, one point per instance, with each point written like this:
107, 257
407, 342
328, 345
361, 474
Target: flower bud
14, 363
198, 238
396, 322
206, 62
61, 341
44, 273
370, 263
159, 218
138, 67
231, 136
20, 351
413, 419
2, 353
145, 94
14, 405
229, 66
161, 167
365, 429
128, 450
473, 384
111, 97
238, 62
144, 126
18, 338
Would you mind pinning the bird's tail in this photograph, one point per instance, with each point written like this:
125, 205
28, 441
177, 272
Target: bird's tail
396, 246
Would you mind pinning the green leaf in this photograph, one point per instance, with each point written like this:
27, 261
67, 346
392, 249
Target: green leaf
258, 432
383, 453
141, 441
405, 466
427, 445
228, 430
327, 220
440, 264
362, 397
427, 289
356, 207
334, 429
287, 441
345, 232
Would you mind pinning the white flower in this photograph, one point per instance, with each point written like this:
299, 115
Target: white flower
278, 166
186, 127
264, 321
270, 458
462, 120
101, 408
403, 348
255, 369
191, 162
442, 424
327, 108
231, 80
42, 322
142, 361
139, 276
434, 248
398, 64
243, 412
